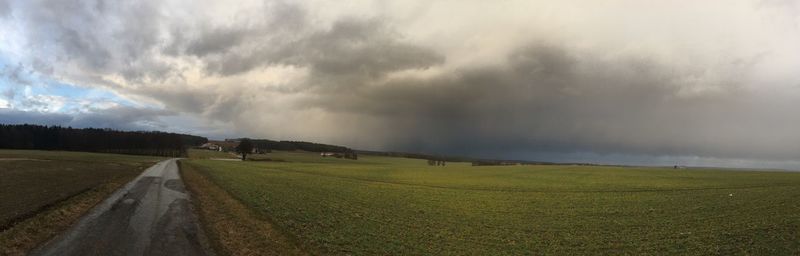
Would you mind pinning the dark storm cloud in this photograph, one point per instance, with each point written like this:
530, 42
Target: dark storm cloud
545, 99
120, 118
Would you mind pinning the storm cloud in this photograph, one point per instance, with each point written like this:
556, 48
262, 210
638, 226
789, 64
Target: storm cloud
547, 99
521, 79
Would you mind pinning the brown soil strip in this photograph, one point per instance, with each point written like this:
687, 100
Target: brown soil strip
23, 236
22, 217
233, 228
23, 159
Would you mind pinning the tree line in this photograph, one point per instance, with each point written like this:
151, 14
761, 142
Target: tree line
27, 136
299, 145
264, 146
432, 159
437, 162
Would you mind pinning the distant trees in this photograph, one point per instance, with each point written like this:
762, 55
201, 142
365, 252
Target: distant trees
492, 163
351, 155
418, 156
337, 151
299, 145
436, 162
28, 136
245, 147
347, 155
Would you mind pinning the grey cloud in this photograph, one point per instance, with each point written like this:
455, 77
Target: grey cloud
350, 53
71, 25
265, 39
97, 36
126, 39
5, 9
16, 74
270, 29
10, 116
364, 46
350, 47
216, 41
123, 118
179, 100
120, 118
223, 106
9, 94
35, 103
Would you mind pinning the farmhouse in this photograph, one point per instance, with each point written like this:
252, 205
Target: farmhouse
327, 154
211, 146
220, 145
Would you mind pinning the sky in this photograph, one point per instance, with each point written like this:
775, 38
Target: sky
707, 83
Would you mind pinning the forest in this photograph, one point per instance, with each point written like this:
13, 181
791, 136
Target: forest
27, 136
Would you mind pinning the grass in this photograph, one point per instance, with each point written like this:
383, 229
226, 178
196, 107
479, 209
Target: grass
43, 192
297, 157
207, 154
398, 206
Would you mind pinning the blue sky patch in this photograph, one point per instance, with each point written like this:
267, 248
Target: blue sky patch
25, 90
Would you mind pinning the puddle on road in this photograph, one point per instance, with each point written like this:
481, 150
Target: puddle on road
175, 184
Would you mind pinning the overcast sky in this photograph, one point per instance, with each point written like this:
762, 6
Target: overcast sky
632, 82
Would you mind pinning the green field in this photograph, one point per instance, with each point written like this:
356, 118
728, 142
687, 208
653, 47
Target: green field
207, 154
42, 192
297, 157
397, 206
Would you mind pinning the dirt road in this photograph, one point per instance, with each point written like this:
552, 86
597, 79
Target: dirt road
151, 215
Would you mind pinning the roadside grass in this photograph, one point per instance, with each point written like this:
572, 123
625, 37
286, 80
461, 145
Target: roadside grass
43, 192
397, 206
233, 228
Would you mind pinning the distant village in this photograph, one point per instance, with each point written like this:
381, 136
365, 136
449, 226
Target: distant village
265, 146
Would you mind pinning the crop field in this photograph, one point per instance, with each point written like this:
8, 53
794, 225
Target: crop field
397, 206
44, 191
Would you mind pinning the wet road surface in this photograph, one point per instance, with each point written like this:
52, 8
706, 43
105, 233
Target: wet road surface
151, 215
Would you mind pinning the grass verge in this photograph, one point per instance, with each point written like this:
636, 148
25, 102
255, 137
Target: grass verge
233, 228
